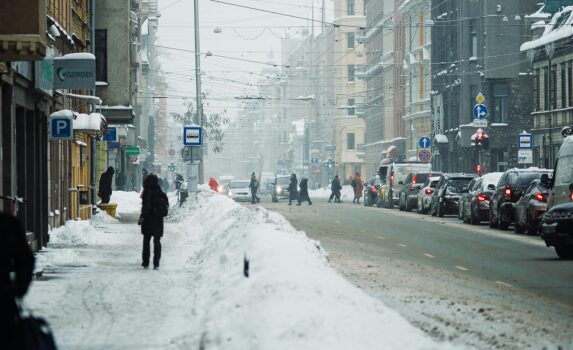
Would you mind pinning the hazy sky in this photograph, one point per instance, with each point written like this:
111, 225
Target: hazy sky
246, 34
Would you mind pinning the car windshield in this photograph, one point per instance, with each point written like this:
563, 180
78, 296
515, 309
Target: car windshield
522, 178
239, 184
458, 183
283, 180
434, 183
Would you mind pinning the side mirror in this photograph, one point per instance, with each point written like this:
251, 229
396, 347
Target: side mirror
491, 187
545, 181
400, 182
419, 186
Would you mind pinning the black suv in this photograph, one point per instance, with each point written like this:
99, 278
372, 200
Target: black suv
508, 191
446, 197
408, 194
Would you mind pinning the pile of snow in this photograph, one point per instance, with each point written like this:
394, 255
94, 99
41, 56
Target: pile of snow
291, 299
347, 193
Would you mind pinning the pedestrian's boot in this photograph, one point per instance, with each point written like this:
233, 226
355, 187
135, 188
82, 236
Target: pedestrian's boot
330, 200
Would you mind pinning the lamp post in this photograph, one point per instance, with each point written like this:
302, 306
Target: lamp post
198, 83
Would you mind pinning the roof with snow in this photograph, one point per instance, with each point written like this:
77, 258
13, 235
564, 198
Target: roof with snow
92, 122
560, 27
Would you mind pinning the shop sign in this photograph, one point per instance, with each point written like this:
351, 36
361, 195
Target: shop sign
74, 71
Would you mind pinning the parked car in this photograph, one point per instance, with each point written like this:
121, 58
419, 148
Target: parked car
280, 188
408, 195
425, 194
557, 223
445, 199
475, 204
530, 208
239, 190
393, 176
371, 189
465, 198
507, 192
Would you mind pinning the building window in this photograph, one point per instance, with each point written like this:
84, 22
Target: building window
570, 84
351, 107
536, 90
101, 54
553, 88
473, 39
350, 141
351, 7
350, 72
350, 40
563, 87
500, 102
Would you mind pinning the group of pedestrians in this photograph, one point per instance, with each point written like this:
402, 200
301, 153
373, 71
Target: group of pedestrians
298, 191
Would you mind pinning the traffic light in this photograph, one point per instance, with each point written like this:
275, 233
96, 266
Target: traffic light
478, 169
330, 164
482, 139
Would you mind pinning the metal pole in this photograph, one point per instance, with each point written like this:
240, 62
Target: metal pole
198, 83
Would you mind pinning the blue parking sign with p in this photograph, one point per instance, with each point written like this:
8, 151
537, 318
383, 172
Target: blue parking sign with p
61, 128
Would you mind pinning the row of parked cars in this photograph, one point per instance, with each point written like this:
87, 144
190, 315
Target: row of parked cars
533, 200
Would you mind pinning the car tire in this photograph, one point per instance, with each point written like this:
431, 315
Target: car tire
378, 202
400, 204
532, 227
460, 213
433, 209
517, 228
407, 207
473, 219
502, 225
440, 210
564, 251
492, 222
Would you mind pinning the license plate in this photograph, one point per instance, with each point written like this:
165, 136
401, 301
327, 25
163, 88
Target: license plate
549, 229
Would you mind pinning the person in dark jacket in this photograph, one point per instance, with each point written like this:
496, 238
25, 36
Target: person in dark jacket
335, 188
151, 223
254, 186
105, 185
293, 189
15, 255
303, 193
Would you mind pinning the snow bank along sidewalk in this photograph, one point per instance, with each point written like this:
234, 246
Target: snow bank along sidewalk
97, 296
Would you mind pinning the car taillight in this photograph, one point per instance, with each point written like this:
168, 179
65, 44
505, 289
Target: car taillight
571, 196
482, 197
429, 191
373, 189
507, 193
540, 197
392, 178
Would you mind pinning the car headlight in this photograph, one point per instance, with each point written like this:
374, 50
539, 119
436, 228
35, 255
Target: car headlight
279, 189
220, 188
230, 194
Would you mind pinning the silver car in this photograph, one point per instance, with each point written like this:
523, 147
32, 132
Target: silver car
425, 194
239, 190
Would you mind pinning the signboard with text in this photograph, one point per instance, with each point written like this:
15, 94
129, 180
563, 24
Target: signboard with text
192, 136
74, 71
61, 126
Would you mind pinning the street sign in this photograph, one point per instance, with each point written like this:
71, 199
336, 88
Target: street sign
480, 123
192, 136
424, 142
172, 152
314, 169
61, 126
424, 155
110, 135
314, 160
329, 148
524, 141
480, 98
480, 111
525, 156
132, 151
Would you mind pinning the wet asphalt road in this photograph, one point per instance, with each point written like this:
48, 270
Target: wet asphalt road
490, 259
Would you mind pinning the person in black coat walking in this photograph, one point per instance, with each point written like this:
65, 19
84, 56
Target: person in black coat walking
303, 193
105, 185
293, 189
335, 188
15, 255
153, 209
254, 186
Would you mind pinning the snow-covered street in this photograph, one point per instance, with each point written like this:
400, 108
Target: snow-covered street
96, 295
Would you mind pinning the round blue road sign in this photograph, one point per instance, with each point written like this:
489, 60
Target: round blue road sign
480, 111
424, 155
424, 142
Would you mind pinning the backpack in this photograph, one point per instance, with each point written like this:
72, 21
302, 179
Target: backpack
160, 205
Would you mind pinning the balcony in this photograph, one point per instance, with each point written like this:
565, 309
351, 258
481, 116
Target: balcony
23, 40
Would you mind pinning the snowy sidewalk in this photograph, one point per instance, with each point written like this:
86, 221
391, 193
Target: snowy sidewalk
96, 295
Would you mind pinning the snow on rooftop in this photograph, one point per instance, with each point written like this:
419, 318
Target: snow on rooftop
88, 122
76, 56
559, 28
441, 138
292, 298
539, 14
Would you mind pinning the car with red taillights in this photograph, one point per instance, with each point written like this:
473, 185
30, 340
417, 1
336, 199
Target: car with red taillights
408, 195
508, 191
425, 194
530, 208
474, 205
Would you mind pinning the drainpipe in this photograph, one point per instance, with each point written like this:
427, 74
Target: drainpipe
93, 153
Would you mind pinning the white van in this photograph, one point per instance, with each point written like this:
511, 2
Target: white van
393, 176
557, 222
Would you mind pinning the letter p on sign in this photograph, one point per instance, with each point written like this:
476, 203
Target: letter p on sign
61, 128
